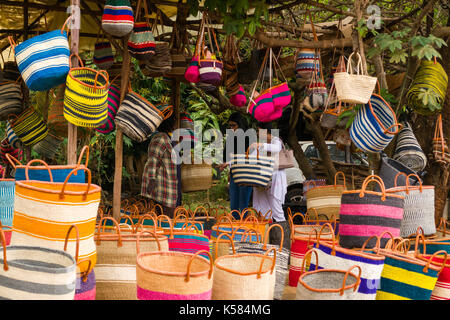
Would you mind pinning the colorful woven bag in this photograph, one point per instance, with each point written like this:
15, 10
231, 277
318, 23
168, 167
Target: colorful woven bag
7, 191
43, 60
366, 213
7, 148
141, 43
103, 54
374, 126
252, 170
85, 285
44, 210
32, 272
170, 275
326, 200
13, 139
138, 118
211, 67
429, 76
56, 120
117, 18
239, 99
113, 107
29, 126
11, 99
333, 256
49, 146
86, 96
408, 150
419, 207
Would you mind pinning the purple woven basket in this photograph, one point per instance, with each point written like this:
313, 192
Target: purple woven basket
211, 71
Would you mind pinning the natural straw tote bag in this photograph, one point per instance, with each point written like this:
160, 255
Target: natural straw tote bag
282, 258
430, 76
441, 290
374, 126
113, 106
141, 43
44, 210
252, 170
11, 99
439, 144
55, 119
367, 213
419, 207
333, 256
38, 273
29, 126
43, 60
406, 277
328, 284
196, 177
117, 18
170, 275
408, 150
138, 118
327, 199
244, 276
59, 173
116, 259
354, 87
86, 96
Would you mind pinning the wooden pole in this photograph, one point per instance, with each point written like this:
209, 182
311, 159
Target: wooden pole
74, 45
125, 78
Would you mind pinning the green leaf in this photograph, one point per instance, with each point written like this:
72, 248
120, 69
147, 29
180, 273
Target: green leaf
252, 28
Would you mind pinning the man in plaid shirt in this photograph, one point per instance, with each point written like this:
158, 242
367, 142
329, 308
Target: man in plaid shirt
159, 179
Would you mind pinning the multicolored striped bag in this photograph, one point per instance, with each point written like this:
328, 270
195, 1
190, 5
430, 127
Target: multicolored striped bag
405, 277
239, 99
141, 43
171, 275
117, 18
85, 285
252, 170
113, 107
326, 199
374, 126
7, 148
408, 150
307, 62
44, 210
49, 146
37, 273
13, 139
138, 118
43, 60
333, 256
29, 126
86, 96
103, 55
210, 69
11, 99
7, 191
366, 213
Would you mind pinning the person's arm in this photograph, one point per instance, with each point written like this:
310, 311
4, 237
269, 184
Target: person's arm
274, 147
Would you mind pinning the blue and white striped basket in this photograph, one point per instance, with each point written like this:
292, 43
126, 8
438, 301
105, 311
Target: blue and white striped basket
374, 126
7, 189
43, 61
252, 170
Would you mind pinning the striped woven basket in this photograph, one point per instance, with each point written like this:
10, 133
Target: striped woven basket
117, 18
138, 118
7, 191
31, 272
13, 139
85, 284
56, 120
44, 210
11, 99
166, 275
86, 97
116, 258
49, 146
252, 170
29, 126
113, 107
408, 150
326, 199
103, 55
141, 43
366, 213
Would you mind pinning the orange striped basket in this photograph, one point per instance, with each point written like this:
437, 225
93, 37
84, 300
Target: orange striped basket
43, 211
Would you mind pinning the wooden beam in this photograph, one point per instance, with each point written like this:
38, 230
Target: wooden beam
71, 128
39, 6
322, 44
125, 78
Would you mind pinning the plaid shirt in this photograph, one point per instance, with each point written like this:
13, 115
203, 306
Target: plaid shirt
159, 180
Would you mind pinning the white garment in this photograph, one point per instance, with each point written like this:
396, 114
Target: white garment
272, 198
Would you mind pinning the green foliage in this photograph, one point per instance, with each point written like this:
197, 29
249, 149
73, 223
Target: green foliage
429, 99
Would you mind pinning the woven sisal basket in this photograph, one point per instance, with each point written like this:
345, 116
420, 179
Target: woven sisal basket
196, 177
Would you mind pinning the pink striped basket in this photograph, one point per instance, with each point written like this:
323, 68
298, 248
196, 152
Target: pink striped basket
239, 99
113, 106
262, 106
171, 275
364, 214
281, 95
192, 73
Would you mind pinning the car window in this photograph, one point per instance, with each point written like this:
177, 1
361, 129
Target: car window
335, 153
311, 152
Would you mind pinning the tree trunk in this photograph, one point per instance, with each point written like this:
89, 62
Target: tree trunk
320, 144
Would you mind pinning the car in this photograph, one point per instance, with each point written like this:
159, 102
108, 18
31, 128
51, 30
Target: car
295, 178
